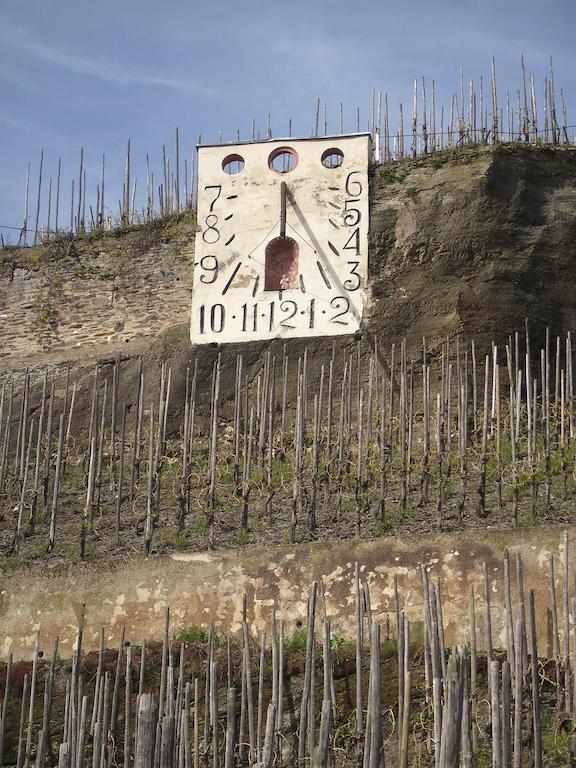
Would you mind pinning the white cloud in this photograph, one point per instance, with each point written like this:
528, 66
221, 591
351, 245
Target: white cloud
109, 71
16, 123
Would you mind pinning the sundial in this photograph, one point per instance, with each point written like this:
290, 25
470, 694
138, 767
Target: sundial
282, 242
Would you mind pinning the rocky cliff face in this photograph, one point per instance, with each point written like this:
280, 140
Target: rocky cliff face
470, 242
474, 242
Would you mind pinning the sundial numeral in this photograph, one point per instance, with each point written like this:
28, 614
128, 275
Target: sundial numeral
292, 308
353, 242
352, 216
209, 264
337, 303
216, 319
211, 221
219, 188
353, 284
353, 186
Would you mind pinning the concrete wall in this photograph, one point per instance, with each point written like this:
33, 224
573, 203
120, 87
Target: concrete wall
204, 587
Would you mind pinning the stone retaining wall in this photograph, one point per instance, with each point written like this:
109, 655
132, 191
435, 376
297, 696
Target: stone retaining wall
91, 296
203, 587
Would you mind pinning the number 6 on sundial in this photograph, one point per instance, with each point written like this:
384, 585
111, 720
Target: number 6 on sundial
282, 242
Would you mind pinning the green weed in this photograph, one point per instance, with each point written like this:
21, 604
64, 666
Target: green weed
192, 634
555, 743
241, 538
170, 538
342, 648
199, 525
297, 642
384, 528
388, 649
482, 758
390, 176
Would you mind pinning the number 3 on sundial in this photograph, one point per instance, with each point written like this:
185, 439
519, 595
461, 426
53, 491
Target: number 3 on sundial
282, 242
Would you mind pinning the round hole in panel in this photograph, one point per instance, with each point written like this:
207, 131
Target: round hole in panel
283, 159
233, 164
332, 158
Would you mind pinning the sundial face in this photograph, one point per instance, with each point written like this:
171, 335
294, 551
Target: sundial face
282, 242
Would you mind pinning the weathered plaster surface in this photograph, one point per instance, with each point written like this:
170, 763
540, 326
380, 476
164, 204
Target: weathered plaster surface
240, 214
203, 587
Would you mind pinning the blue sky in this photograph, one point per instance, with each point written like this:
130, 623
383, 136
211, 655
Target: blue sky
75, 73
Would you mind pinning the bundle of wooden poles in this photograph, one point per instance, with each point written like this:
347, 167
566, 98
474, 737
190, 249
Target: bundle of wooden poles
360, 444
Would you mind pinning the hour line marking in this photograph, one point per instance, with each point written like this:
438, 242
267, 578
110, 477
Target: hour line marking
232, 276
324, 275
334, 205
255, 286
229, 240
333, 223
231, 197
333, 248
334, 189
302, 286
227, 218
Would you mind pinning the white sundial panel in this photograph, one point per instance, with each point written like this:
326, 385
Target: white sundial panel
282, 243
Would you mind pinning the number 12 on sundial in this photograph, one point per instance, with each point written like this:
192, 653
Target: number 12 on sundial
282, 243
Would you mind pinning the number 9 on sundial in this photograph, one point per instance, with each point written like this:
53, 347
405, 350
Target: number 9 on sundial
282, 242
